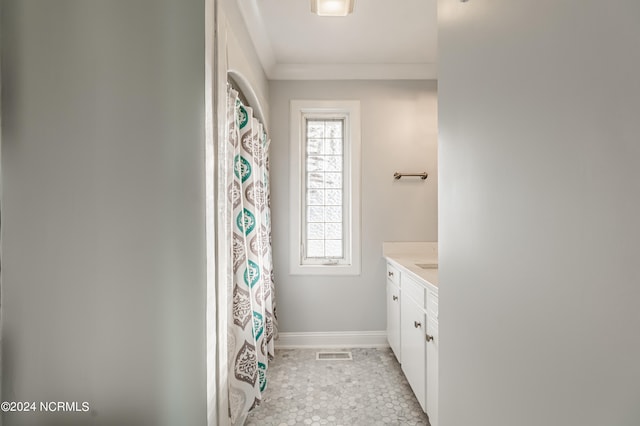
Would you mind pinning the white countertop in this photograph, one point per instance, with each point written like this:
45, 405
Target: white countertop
407, 255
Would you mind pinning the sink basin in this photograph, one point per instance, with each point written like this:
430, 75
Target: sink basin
427, 265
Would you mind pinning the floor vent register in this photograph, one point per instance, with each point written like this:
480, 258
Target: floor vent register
334, 356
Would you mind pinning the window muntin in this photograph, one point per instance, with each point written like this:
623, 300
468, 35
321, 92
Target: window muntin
324, 219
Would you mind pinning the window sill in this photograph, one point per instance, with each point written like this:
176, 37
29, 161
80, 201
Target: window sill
346, 270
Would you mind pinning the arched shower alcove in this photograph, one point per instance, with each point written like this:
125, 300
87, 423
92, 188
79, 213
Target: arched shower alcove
246, 91
243, 252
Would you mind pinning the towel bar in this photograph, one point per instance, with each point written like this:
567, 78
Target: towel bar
422, 175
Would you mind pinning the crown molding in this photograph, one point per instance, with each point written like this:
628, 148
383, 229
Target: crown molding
352, 72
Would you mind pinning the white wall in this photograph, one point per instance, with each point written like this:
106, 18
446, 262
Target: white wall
241, 56
103, 210
398, 134
539, 208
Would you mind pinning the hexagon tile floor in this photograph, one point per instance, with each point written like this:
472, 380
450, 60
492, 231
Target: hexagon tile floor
370, 390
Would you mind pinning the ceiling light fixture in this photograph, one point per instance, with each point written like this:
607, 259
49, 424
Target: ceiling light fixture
332, 7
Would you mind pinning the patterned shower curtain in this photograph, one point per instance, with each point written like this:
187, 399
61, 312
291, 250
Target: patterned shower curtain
252, 322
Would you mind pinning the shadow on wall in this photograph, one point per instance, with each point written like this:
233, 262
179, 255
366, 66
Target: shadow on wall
45, 411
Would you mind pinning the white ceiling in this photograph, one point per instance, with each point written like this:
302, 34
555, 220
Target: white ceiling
382, 39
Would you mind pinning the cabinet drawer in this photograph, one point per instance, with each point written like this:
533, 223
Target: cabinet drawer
393, 274
413, 289
432, 304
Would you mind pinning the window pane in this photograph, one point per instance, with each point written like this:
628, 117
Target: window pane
315, 197
333, 147
333, 163
333, 214
315, 214
314, 146
316, 180
315, 248
333, 197
333, 248
315, 231
333, 129
315, 129
333, 230
315, 163
333, 180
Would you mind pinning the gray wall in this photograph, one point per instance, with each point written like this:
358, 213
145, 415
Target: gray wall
398, 134
539, 208
103, 293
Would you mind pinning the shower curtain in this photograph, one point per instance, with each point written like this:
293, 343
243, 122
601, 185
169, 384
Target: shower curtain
252, 322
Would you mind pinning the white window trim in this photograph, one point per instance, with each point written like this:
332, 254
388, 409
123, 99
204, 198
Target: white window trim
352, 142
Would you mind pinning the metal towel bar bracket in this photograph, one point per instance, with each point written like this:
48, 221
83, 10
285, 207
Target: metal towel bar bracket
422, 175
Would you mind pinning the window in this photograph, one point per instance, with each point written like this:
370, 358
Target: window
325, 187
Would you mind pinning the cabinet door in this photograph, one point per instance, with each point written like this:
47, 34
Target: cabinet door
432, 369
393, 318
413, 346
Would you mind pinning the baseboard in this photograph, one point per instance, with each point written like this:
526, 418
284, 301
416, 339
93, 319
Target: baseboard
333, 339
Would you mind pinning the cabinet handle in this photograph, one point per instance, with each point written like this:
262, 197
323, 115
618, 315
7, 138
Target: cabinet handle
390, 274
395, 298
416, 324
429, 338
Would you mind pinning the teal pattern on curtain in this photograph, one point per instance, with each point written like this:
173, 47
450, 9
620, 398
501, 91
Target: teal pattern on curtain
252, 322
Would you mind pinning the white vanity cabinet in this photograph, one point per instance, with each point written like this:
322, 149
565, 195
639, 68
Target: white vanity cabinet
432, 356
412, 332
393, 309
412, 336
